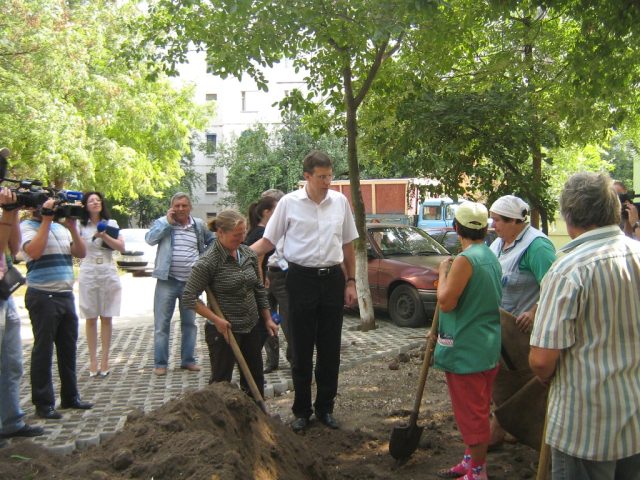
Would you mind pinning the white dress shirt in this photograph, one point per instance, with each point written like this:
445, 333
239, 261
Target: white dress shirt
315, 233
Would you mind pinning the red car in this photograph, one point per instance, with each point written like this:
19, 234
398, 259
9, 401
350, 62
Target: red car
403, 268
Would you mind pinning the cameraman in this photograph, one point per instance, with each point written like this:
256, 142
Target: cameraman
11, 423
48, 247
630, 224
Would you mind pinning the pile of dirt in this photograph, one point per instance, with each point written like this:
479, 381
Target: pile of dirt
214, 433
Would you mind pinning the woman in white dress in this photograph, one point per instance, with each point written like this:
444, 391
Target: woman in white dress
98, 282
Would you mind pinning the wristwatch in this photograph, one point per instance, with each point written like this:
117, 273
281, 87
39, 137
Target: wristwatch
636, 225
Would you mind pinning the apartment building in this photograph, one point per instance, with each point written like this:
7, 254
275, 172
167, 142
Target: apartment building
239, 106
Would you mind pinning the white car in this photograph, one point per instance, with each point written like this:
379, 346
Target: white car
138, 256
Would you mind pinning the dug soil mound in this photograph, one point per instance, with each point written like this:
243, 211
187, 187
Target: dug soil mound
214, 433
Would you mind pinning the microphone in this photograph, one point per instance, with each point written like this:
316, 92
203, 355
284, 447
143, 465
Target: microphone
101, 227
70, 195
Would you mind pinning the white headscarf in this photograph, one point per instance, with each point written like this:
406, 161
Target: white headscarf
510, 206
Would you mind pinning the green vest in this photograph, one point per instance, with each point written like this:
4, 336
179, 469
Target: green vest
469, 335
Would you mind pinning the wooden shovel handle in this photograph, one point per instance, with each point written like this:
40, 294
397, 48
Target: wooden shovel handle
236, 351
425, 366
545, 453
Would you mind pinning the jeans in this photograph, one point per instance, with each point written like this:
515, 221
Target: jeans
10, 369
54, 321
164, 304
567, 467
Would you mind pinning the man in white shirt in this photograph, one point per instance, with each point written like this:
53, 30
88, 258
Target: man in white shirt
319, 230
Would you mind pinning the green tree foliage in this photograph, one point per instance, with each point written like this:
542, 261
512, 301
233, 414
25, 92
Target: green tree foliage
260, 159
145, 209
492, 131
567, 73
623, 152
76, 114
572, 159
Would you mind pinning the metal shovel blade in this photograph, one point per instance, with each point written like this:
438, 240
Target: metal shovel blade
404, 441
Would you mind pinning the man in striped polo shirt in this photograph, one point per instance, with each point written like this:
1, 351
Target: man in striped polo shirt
181, 239
48, 248
586, 339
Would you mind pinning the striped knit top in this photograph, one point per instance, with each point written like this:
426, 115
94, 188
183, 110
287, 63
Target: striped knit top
590, 308
53, 271
235, 284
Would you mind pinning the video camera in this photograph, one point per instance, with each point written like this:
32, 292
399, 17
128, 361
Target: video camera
31, 194
629, 196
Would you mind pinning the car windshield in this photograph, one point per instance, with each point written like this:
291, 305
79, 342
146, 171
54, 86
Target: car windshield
402, 241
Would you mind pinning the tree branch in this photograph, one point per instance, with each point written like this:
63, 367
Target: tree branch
380, 53
14, 54
395, 48
335, 45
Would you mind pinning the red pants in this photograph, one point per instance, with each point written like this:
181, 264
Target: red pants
471, 400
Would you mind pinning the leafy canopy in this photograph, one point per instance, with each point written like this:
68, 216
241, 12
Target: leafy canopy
78, 115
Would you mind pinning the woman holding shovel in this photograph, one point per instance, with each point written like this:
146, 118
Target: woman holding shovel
230, 270
468, 346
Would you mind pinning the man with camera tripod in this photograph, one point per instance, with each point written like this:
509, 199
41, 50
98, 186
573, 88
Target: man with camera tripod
48, 247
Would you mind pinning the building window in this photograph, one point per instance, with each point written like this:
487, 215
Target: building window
211, 215
212, 142
211, 97
250, 101
212, 183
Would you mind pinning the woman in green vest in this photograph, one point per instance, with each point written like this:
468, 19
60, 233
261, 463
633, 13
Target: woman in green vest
468, 346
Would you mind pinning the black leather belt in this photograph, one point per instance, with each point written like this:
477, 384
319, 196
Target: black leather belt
274, 269
320, 271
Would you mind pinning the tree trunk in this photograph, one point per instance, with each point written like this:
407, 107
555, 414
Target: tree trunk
537, 174
367, 317
537, 169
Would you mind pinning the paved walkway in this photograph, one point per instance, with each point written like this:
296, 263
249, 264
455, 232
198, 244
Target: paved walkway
132, 384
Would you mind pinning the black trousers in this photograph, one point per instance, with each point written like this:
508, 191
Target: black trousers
223, 360
54, 321
280, 303
316, 309
270, 344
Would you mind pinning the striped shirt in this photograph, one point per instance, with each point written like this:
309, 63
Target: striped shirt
235, 284
53, 271
590, 309
185, 251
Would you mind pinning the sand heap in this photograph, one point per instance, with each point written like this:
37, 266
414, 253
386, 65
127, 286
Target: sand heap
214, 433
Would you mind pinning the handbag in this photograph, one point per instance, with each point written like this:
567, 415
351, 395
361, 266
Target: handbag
11, 281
